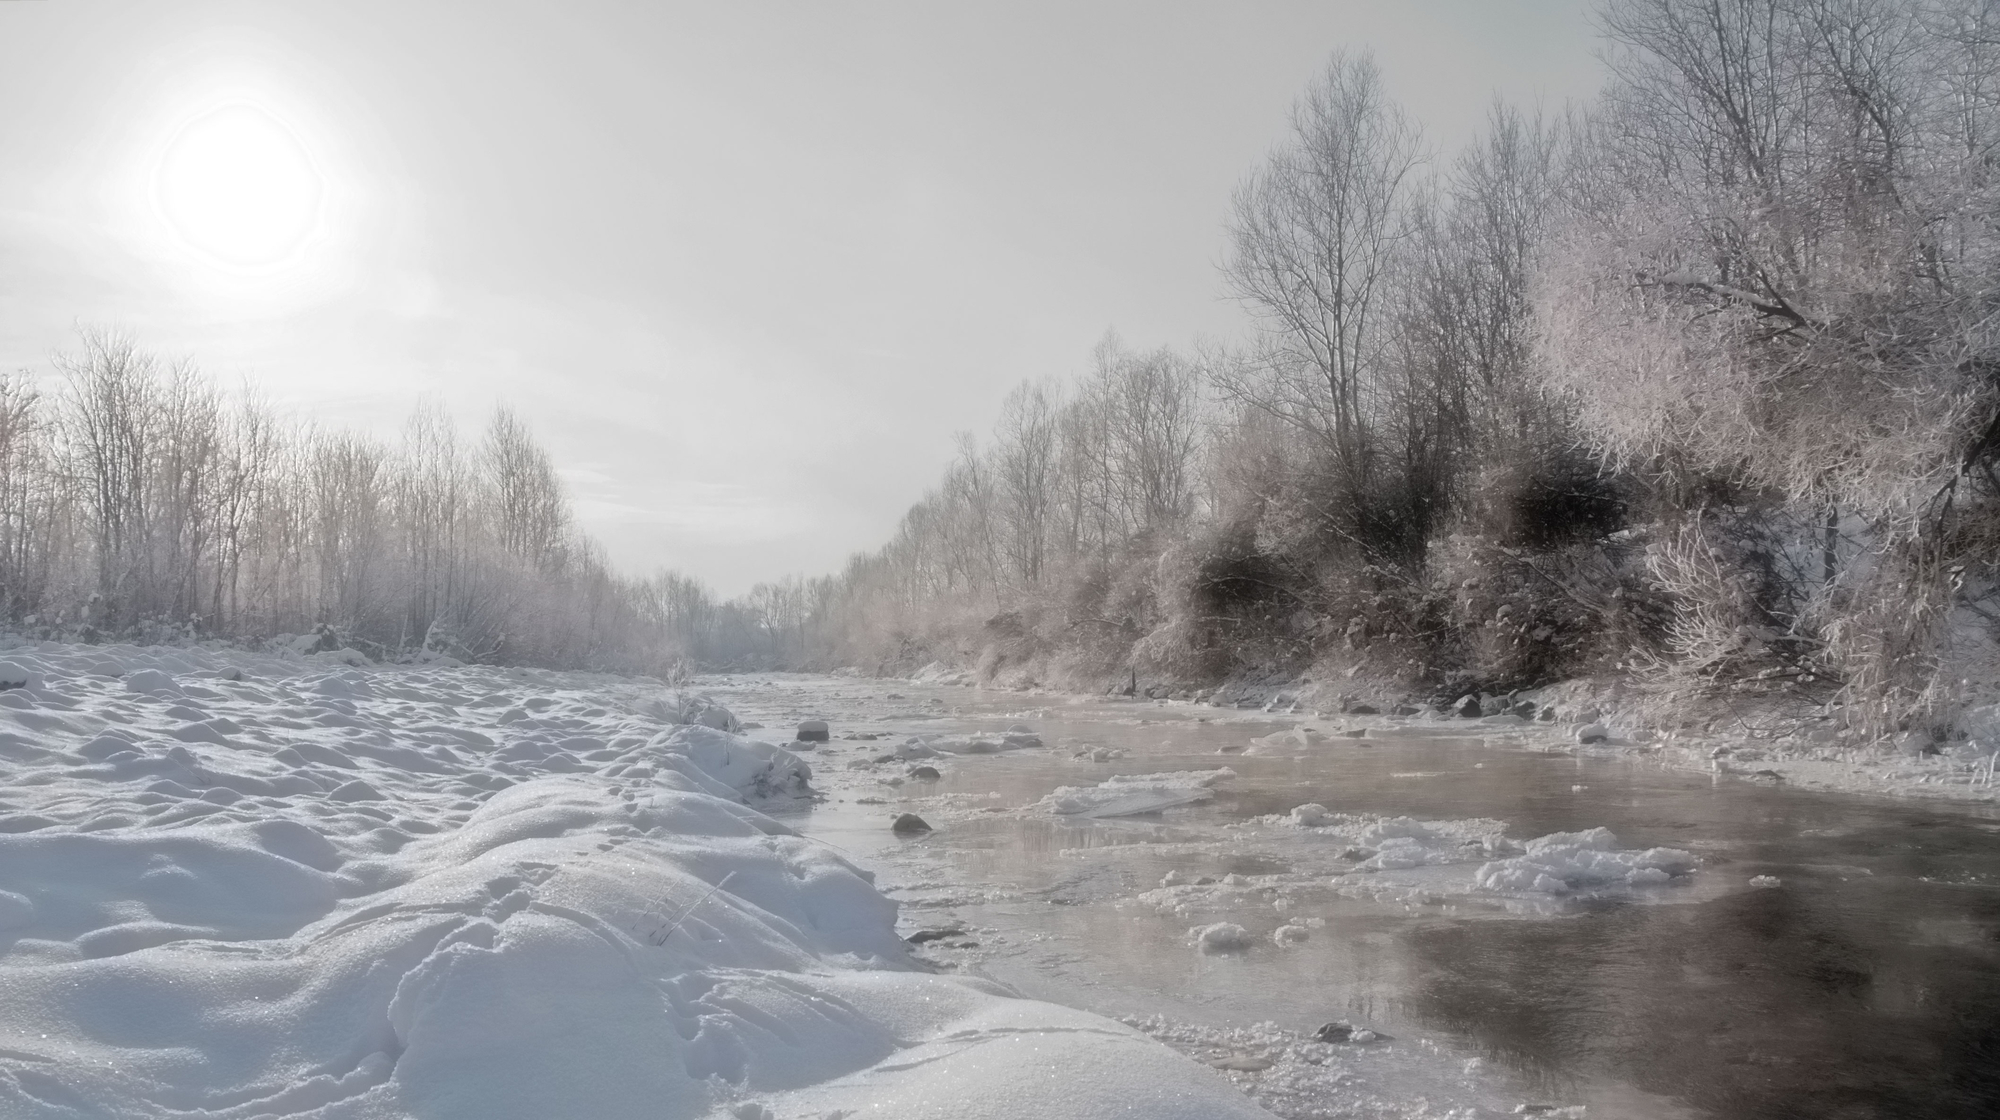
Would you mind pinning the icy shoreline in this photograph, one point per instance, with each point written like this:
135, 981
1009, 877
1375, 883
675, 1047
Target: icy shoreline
237, 885
1811, 755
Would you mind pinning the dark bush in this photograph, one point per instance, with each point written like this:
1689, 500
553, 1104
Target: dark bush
1569, 497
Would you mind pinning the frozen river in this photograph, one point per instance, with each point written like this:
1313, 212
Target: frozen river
1829, 956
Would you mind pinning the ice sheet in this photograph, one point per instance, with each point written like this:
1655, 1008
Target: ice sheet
1133, 794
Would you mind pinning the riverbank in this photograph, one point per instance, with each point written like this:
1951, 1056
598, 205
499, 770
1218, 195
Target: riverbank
1806, 747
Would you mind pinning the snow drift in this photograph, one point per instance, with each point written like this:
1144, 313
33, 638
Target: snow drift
236, 887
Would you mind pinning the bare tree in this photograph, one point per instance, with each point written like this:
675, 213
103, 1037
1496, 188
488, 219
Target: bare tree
1152, 409
1312, 242
1025, 453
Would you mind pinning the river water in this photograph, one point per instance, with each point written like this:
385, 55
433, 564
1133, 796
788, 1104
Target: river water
1858, 976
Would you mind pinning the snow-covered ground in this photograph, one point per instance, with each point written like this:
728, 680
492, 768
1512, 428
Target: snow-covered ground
237, 886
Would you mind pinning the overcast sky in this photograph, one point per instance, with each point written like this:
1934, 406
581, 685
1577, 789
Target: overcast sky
744, 267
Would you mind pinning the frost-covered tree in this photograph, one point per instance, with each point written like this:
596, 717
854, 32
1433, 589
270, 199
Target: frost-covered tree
1778, 280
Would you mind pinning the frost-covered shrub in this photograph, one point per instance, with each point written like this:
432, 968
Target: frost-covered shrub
1203, 627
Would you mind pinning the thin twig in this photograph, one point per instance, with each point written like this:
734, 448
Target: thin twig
660, 938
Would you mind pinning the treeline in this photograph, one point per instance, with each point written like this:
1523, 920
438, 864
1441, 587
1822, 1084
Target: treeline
1701, 380
140, 502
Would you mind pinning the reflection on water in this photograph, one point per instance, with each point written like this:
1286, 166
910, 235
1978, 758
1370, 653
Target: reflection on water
1867, 984
1869, 998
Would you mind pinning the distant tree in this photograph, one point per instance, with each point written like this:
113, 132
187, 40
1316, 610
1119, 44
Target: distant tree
531, 508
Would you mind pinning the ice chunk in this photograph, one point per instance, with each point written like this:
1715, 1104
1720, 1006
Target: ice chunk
1566, 861
976, 744
1132, 794
1311, 815
1296, 739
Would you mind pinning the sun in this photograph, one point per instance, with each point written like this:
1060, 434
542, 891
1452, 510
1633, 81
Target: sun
239, 187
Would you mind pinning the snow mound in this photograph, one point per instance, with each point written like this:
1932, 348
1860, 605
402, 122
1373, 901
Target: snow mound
1562, 862
1222, 937
1133, 794
236, 887
938, 673
705, 711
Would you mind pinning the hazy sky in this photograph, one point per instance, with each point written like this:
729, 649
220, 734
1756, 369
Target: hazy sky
744, 267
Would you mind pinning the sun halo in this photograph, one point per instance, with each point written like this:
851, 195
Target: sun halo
238, 186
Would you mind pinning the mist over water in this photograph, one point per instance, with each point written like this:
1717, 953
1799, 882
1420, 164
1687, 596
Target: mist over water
1862, 984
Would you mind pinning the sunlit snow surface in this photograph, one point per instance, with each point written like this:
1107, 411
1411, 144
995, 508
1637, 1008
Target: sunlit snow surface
237, 886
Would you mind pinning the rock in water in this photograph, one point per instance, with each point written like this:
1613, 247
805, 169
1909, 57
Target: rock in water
1592, 733
909, 824
1334, 1032
1340, 1030
925, 774
813, 731
1469, 706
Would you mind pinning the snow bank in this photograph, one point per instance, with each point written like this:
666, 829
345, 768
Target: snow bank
1132, 794
1566, 861
237, 886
